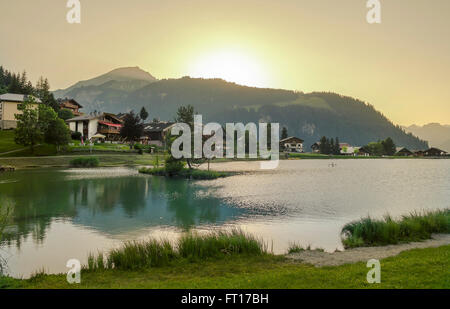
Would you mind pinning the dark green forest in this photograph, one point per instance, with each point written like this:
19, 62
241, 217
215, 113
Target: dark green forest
18, 83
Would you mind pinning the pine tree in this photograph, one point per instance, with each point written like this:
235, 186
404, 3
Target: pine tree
43, 93
332, 147
388, 146
323, 145
143, 113
337, 150
284, 133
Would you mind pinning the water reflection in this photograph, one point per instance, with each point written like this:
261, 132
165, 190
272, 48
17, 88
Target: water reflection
108, 204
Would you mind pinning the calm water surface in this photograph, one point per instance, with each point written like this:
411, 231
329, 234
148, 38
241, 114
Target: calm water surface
65, 214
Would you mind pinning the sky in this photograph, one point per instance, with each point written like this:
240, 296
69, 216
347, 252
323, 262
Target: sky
400, 66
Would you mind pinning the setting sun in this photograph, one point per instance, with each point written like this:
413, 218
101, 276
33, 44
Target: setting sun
230, 65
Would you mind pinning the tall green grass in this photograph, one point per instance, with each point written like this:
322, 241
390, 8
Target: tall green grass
214, 244
296, 248
193, 246
413, 227
5, 217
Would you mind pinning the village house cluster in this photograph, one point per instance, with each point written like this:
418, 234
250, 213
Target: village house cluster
106, 127
92, 126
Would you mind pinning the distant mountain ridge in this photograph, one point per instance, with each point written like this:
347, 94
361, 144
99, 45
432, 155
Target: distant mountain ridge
306, 115
127, 79
438, 135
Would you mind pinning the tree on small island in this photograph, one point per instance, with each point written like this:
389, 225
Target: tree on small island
185, 114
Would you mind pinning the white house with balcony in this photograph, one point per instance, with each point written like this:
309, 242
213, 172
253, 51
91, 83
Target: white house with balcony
89, 125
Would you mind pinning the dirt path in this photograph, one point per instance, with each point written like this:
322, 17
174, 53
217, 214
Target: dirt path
12, 151
364, 254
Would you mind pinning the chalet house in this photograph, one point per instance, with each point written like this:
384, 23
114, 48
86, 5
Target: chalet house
315, 147
404, 152
156, 132
71, 105
8, 109
363, 152
89, 125
347, 149
291, 144
434, 152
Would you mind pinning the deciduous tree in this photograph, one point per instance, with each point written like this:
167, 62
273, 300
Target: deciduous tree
132, 127
29, 131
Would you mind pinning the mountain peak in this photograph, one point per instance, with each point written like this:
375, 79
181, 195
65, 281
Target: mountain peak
131, 73
127, 75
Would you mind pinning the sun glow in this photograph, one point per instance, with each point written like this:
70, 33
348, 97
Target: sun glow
232, 66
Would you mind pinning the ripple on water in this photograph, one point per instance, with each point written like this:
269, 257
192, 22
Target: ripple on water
102, 172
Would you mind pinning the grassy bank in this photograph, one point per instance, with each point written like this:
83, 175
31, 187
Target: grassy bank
413, 227
186, 173
419, 268
64, 160
7, 142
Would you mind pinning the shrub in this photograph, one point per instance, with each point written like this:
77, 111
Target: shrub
85, 162
413, 227
76, 136
157, 171
174, 167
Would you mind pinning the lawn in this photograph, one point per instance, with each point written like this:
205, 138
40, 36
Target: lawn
418, 268
99, 147
64, 160
7, 141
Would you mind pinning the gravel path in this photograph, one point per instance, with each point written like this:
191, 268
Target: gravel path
364, 254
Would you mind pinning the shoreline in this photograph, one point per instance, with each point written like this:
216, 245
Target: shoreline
134, 159
349, 256
429, 265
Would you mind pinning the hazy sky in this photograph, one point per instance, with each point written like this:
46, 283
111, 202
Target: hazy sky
401, 66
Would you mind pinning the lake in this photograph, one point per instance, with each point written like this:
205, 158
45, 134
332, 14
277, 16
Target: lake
60, 214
